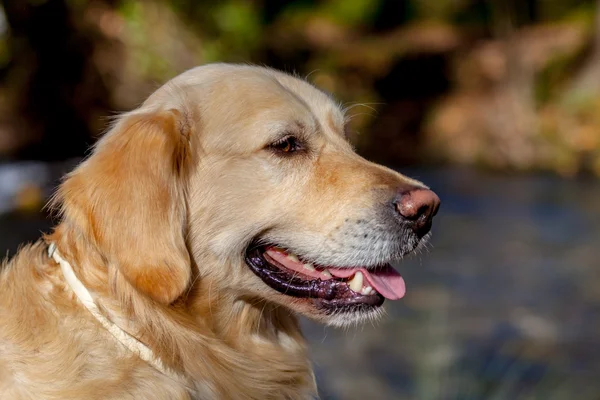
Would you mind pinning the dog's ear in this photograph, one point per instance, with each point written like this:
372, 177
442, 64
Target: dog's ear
130, 194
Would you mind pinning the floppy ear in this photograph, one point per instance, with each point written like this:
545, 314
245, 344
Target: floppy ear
131, 195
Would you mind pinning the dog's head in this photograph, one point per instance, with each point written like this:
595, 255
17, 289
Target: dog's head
242, 176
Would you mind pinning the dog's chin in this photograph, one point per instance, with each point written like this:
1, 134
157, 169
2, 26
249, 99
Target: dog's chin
334, 294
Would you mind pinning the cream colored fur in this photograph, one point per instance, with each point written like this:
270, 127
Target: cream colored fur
155, 223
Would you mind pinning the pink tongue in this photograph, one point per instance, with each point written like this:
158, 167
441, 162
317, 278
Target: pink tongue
386, 280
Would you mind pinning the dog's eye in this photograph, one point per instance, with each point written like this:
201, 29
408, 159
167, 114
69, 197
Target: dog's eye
288, 144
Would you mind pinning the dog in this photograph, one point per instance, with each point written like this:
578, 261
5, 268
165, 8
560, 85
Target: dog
201, 225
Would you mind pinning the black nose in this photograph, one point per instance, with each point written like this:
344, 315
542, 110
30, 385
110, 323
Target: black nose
417, 206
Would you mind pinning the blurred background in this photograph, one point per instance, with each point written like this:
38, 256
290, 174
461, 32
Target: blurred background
494, 104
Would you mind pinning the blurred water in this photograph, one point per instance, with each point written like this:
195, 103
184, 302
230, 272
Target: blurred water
505, 305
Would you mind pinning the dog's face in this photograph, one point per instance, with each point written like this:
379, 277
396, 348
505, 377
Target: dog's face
268, 198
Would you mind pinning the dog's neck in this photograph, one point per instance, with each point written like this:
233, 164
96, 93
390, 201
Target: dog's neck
206, 335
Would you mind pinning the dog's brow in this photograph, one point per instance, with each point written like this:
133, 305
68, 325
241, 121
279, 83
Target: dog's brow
296, 128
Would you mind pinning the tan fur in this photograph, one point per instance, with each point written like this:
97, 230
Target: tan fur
155, 223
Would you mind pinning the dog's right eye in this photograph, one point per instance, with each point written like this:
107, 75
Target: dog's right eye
288, 144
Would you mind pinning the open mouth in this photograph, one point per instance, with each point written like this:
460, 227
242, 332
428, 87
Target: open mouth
332, 288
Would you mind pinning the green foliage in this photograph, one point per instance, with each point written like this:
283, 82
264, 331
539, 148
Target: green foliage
349, 13
437, 9
491, 57
239, 28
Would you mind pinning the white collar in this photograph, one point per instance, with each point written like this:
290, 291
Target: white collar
133, 344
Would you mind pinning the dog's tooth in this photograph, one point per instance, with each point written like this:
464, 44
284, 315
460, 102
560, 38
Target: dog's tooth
293, 257
357, 282
309, 267
366, 290
327, 273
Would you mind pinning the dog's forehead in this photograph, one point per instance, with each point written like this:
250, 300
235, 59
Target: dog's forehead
241, 93
320, 103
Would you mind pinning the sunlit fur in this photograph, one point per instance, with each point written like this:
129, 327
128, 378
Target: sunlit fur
155, 224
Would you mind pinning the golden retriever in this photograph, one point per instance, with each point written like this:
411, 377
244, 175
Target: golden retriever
200, 226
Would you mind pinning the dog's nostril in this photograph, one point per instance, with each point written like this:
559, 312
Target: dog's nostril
418, 205
423, 211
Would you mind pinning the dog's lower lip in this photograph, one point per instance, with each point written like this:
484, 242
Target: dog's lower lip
326, 294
